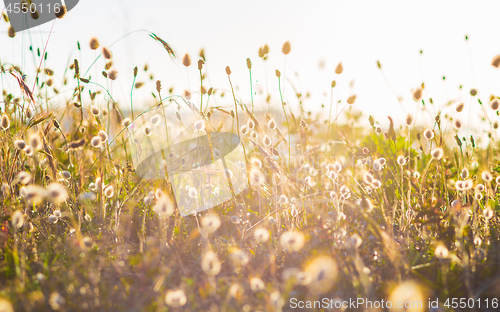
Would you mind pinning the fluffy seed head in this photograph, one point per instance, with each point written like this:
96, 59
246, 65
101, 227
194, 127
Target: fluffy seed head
126, 122
210, 223
409, 120
103, 135
35, 141
460, 107
5, 122
155, 120
401, 160
441, 252
199, 125
437, 153
261, 235
486, 176
464, 174
57, 193
19, 144
210, 263
113, 74
266, 140
292, 240
147, 130
488, 213
175, 298
186, 60
109, 191
17, 220
457, 124
286, 48
96, 142
271, 124
95, 110
428, 134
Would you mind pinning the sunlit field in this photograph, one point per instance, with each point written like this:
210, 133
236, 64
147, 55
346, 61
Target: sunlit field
314, 209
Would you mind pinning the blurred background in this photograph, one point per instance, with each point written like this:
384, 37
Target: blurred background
321, 33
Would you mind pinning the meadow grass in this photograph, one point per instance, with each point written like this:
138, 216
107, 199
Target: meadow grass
332, 211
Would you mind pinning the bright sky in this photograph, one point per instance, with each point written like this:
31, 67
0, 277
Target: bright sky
356, 33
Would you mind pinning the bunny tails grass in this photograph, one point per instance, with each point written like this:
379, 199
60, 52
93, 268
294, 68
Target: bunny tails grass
108, 205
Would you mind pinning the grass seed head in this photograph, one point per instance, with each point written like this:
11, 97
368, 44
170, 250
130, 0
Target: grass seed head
186, 60
96, 142
5, 122
286, 48
495, 104
496, 61
428, 134
107, 53
437, 153
339, 69
20, 144
94, 43
61, 12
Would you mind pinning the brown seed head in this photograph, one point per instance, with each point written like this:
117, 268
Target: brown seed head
107, 53
339, 69
460, 107
417, 94
186, 60
158, 86
495, 104
286, 48
11, 32
278, 73
113, 74
228, 70
249, 63
200, 64
496, 61
94, 43
61, 12
351, 99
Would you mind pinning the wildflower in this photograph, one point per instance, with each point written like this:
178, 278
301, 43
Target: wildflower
261, 235
5, 122
109, 191
103, 135
210, 264
401, 160
409, 120
19, 144
65, 174
441, 252
199, 125
175, 298
57, 193
266, 140
459, 107
35, 141
417, 94
17, 219
495, 104
355, 241
486, 176
429, 134
351, 99
292, 241
94, 43
339, 69
322, 272
239, 256
488, 213
96, 142
437, 153
210, 223
126, 122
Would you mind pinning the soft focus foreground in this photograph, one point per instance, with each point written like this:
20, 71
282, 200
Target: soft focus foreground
404, 212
